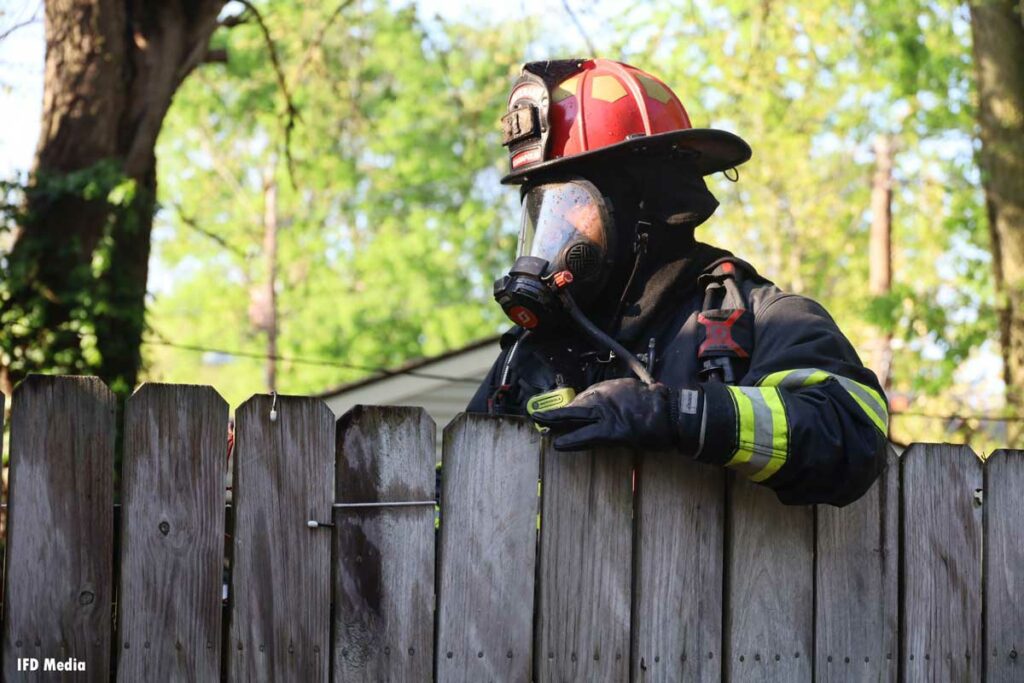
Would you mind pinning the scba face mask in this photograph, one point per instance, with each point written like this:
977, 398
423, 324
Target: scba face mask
566, 244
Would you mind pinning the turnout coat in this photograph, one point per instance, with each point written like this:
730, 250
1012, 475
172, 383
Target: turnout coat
788, 404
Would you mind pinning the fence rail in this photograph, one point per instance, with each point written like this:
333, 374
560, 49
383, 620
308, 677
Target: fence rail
617, 567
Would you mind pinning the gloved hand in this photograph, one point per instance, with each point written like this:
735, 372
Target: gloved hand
627, 412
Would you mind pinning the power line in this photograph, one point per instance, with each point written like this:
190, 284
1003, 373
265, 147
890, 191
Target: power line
323, 362
937, 416
384, 372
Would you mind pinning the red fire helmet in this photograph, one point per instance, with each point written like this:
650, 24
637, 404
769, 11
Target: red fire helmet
565, 112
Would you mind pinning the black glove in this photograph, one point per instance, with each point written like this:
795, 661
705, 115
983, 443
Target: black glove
628, 412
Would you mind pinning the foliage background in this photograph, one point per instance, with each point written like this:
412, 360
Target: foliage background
392, 224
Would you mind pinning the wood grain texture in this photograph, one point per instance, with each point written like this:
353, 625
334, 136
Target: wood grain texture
940, 633
679, 551
488, 550
172, 534
857, 585
59, 576
280, 585
1004, 567
769, 614
383, 580
585, 566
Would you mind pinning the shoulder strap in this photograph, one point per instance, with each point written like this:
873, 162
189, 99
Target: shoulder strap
726, 333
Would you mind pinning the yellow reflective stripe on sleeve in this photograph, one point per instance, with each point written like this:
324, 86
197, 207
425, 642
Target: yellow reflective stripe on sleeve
763, 432
745, 417
780, 436
869, 400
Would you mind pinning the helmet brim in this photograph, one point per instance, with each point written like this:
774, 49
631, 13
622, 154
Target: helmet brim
704, 150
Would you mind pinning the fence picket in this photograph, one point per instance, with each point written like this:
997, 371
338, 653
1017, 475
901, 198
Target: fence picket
1004, 567
941, 540
60, 526
679, 549
172, 541
585, 566
769, 616
384, 557
700, 576
857, 585
280, 584
486, 587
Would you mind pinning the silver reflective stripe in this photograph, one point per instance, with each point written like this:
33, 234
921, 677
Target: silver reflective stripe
763, 430
866, 397
796, 378
870, 402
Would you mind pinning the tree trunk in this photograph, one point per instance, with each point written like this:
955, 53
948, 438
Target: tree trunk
880, 251
998, 34
75, 283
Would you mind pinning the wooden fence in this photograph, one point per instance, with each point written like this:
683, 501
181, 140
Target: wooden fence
679, 574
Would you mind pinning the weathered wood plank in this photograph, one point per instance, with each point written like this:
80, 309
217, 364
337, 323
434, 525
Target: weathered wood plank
488, 550
60, 526
769, 616
280, 585
679, 550
384, 557
856, 606
172, 534
940, 633
585, 566
1004, 567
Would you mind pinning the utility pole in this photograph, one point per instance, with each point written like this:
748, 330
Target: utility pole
880, 250
270, 256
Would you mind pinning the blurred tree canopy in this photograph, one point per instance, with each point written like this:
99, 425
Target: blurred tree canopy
390, 220
329, 184
810, 85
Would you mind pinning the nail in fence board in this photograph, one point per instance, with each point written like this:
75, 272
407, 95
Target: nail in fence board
585, 566
60, 526
941, 539
383, 579
172, 540
769, 606
280, 585
488, 550
677, 611
857, 586
1004, 567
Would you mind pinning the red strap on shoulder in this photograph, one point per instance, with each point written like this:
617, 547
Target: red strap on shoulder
718, 333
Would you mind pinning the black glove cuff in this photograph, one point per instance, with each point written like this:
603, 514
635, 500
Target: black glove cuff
720, 429
686, 406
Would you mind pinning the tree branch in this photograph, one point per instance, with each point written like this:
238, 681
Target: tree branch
233, 20
320, 37
291, 111
217, 55
192, 223
579, 27
22, 24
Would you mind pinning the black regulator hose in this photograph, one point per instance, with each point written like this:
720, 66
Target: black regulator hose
602, 339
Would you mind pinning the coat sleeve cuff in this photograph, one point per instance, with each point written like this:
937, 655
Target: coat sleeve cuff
720, 425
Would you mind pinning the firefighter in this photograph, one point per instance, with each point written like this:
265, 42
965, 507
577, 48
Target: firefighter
630, 332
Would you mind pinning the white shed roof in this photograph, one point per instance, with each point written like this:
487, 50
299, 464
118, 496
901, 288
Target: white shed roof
442, 385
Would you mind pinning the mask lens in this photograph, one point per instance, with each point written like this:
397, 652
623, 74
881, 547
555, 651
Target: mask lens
558, 215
